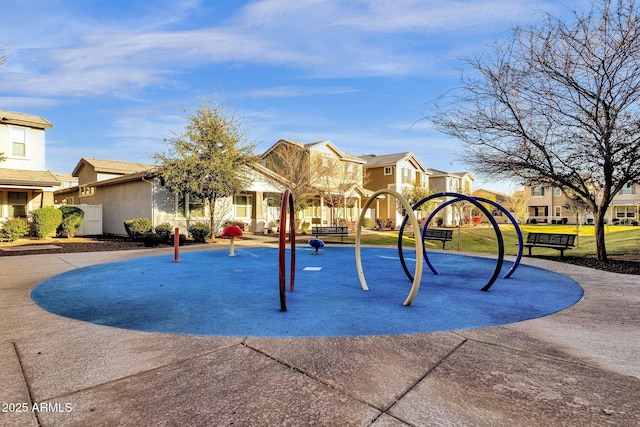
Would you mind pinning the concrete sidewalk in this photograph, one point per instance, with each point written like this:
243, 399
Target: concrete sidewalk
576, 367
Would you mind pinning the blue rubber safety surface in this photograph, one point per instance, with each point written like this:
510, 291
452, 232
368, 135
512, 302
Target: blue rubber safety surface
211, 293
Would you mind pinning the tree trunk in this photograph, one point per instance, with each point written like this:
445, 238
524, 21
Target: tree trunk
598, 219
212, 211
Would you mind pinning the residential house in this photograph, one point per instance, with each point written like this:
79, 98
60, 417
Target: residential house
25, 185
499, 198
397, 172
550, 205
332, 179
128, 190
452, 182
625, 207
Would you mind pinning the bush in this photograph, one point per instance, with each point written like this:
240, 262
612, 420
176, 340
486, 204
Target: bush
199, 231
14, 229
164, 231
367, 223
137, 227
151, 239
181, 239
46, 221
71, 219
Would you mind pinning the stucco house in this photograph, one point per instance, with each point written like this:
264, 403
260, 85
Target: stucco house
25, 184
397, 172
127, 190
333, 179
454, 182
625, 207
502, 199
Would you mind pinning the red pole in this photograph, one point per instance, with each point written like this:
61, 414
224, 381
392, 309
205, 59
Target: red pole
176, 245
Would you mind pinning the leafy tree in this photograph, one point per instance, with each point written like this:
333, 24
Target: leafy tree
557, 104
208, 159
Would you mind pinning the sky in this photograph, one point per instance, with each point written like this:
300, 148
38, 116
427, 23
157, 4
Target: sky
117, 78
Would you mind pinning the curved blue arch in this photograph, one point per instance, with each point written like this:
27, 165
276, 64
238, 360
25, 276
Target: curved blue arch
458, 197
502, 209
518, 233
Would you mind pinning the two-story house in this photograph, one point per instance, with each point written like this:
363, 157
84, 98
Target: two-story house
397, 172
451, 182
328, 179
550, 205
625, 207
25, 185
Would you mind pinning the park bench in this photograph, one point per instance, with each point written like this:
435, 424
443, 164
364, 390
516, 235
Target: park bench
557, 241
331, 231
436, 234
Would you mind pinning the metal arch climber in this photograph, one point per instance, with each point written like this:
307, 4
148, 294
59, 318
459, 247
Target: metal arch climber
287, 199
458, 197
503, 210
419, 245
516, 263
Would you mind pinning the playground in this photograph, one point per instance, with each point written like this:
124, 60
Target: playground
211, 293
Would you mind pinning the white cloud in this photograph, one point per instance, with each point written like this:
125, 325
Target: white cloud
86, 56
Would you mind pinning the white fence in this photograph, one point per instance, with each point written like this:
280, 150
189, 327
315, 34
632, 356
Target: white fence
92, 223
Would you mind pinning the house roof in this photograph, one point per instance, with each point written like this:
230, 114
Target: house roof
375, 160
436, 173
111, 166
18, 177
13, 118
313, 145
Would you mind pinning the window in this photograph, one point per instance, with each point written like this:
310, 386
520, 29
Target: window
196, 207
17, 202
538, 191
406, 176
626, 189
558, 211
351, 168
243, 206
190, 207
86, 191
313, 208
557, 191
18, 137
388, 170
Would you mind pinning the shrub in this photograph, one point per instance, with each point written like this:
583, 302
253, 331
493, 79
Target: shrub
14, 229
367, 223
199, 231
137, 227
151, 239
164, 231
71, 219
181, 239
46, 220
236, 223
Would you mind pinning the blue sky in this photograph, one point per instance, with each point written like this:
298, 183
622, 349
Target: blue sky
115, 77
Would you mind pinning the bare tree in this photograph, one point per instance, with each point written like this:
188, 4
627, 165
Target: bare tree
336, 183
517, 205
557, 104
3, 57
292, 163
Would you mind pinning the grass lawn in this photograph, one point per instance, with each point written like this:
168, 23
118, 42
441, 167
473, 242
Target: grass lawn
620, 240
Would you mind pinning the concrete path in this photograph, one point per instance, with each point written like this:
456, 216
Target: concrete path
579, 367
